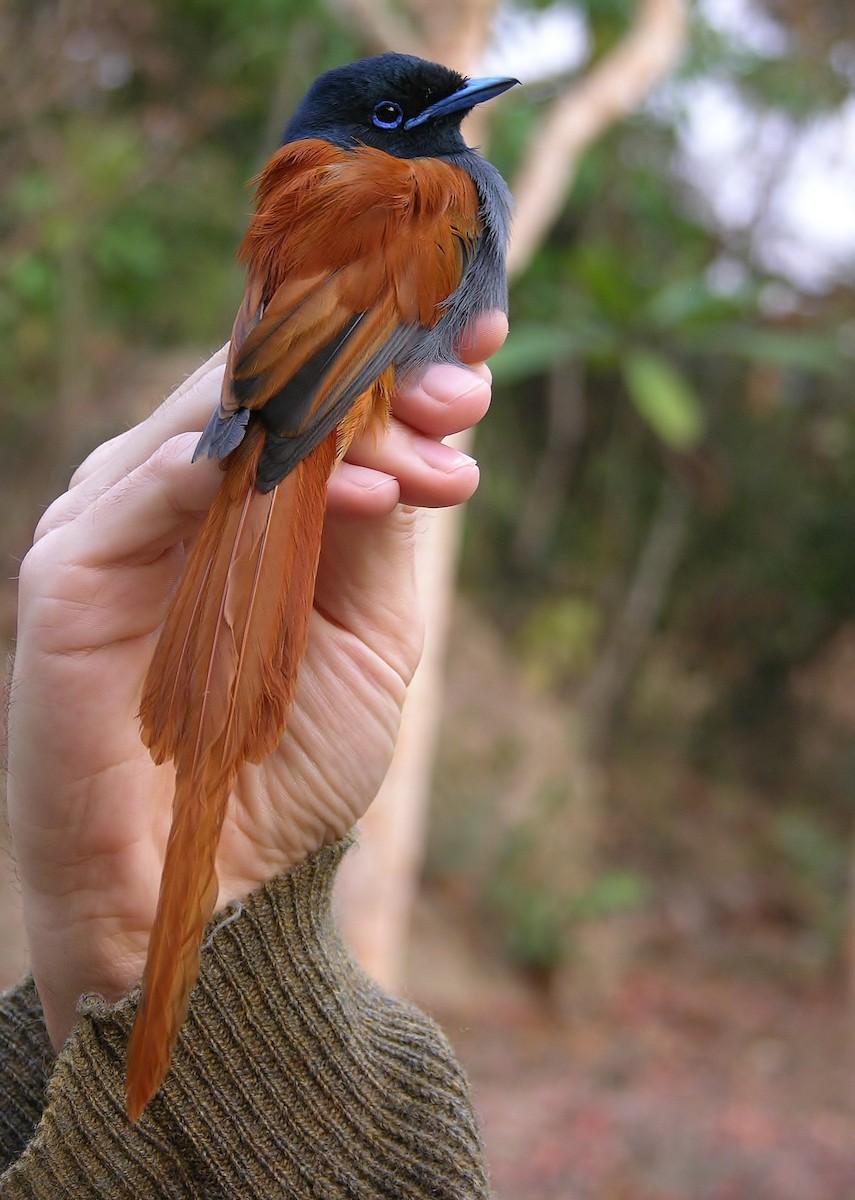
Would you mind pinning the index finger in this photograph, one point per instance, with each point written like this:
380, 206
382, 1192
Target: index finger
186, 410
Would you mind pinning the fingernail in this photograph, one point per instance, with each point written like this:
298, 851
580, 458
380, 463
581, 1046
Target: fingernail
442, 457
438, 385
385, 482
477, 385
370, 480
366, 478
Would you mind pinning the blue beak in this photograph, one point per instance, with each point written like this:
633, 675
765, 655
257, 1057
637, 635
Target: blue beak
474, 91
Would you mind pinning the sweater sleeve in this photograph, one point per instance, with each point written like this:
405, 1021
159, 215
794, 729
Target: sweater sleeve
294, 1076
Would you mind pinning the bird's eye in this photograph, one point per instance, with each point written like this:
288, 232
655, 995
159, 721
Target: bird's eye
387, 114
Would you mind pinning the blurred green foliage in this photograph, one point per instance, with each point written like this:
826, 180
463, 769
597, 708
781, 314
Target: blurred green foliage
558, 639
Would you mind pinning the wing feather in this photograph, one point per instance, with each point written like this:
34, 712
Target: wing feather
352, 257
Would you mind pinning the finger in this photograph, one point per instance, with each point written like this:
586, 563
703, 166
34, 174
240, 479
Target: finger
446, 400
483, 337
157, 505
106, 577
358, 491
185, 410
430, 474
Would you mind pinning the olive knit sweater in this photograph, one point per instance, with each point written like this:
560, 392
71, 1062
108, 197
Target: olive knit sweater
294, 1076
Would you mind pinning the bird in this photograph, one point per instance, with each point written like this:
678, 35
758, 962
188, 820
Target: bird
378, 235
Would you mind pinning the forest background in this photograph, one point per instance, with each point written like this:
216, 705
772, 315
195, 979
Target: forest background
635, 914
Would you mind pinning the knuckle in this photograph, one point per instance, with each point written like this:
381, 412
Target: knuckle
49, 519
94, 461
175, 452
36, 567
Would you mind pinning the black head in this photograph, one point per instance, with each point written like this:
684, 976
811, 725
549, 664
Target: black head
394, 102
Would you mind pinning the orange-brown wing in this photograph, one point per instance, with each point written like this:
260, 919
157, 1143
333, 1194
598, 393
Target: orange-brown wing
351, 258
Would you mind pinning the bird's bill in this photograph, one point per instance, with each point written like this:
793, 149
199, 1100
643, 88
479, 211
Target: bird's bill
474, 91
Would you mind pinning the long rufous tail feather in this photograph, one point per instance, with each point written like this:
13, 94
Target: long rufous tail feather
216, 695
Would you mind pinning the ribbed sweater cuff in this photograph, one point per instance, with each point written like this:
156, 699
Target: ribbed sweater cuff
26, 1061
294, 1076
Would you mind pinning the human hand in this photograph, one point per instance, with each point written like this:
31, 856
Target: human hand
88, 809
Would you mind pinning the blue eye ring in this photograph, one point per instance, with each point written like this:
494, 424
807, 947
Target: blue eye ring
387, 114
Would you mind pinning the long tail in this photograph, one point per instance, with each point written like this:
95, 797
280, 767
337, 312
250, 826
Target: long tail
216, 696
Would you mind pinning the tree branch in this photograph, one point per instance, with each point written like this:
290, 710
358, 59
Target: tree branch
578, 117
376, 21
631, 632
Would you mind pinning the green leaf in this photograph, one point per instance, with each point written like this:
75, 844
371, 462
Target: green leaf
529, 350
790, 349
613, 892
32, 278
532, 349
664, 398
602, 272
688, 302
128, 246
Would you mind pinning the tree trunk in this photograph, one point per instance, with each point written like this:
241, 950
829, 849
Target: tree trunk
377, 885
377, 882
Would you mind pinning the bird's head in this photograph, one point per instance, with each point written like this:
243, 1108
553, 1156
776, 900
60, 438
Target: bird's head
394, 102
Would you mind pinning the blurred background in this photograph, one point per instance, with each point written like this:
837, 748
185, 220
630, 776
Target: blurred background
634, 914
